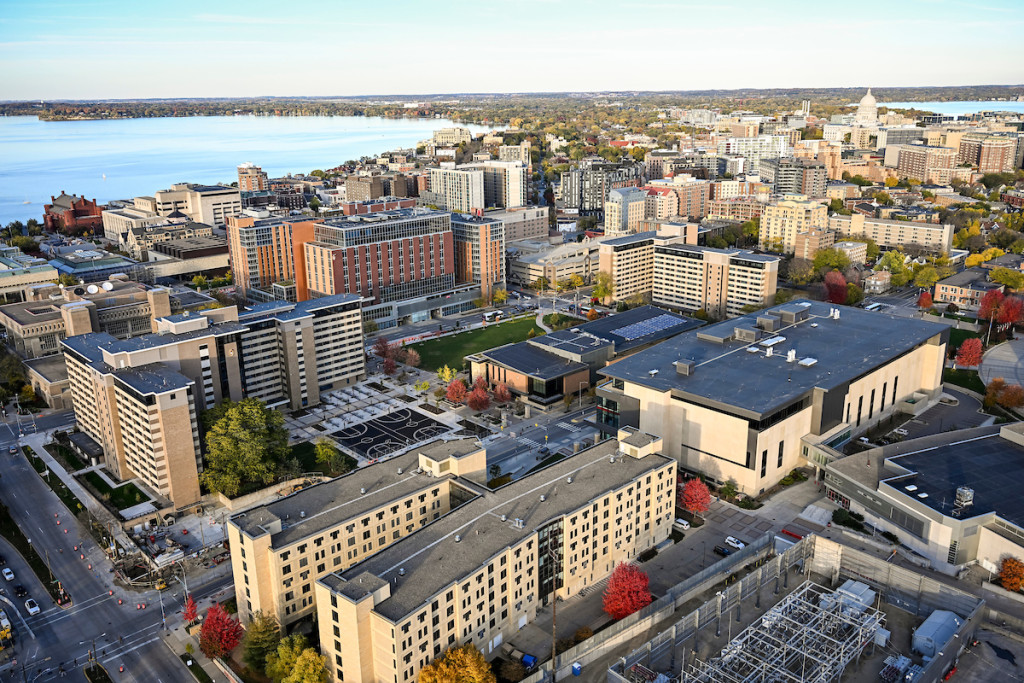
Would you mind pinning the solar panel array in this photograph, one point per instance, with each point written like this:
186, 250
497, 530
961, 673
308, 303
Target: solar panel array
646, 327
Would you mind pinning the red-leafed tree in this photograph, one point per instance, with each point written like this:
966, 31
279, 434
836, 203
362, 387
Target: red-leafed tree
502, 393
478, 399
835, 287
1011, 574
627, 592
1010, 311
456, 391
389, 366
480, 383
219, 634
925, 300
695, 497
383, 349
191, 611
969, 354
990, 304
1012, 396
412, 358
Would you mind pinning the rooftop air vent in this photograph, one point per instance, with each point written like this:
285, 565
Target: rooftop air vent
362, 491
814, 324
910, 488
684, 367
504, 517
808, 362
922, 496
543, 498
399, 470
652, 373
401, 571
751, 349
791, 356
769, 352
458, 539
772, 341
302, 514
569, 480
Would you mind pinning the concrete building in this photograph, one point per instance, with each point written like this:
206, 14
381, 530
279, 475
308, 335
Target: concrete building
857, 252
754, 149
364, 188
810, 242
139, 241
720, 282
520, 153
462, 188
530, 260
740, 400
479, 243
782, 221
484, 569
623, 211
210, 204
19, 272
934, 237
452, 137
790, 175
523, 223
736, 208
950, 497
268, 251
117, 222
251, 178
923, 163
693, 195
586, 188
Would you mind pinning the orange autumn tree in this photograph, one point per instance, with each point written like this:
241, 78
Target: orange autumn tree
1011, 574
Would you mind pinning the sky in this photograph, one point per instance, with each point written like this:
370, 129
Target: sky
103, 49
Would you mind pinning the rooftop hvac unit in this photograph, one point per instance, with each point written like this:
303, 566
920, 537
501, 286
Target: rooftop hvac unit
808, 362
769, 352
685, 367
791, 356
964, 496
910, 487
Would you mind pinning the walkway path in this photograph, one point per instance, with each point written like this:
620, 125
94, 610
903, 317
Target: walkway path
1005, 360
540, 322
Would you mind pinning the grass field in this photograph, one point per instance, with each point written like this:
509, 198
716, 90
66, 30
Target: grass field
968, 379
124, 496
451, 351
958, 337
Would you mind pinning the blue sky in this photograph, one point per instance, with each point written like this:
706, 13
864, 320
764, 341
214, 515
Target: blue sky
112, 48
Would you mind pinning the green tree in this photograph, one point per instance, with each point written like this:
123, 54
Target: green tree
605, 285
295, 662
67, 279
200, 282
575, 281
1014, 279
310, 667
926, 277
893, 261
499, 296
244, 447
831, 259
854, 294
541, 284
328, 455
315, 205
801, 271
261, 638
27, 396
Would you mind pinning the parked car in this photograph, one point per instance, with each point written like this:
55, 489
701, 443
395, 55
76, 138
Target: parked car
31, 606
901, 431
683, 524
20, 591
14, 450
735, 542
8, 574
722, 550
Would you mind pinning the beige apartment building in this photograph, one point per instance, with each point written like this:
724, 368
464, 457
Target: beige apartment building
927, 164
623, 211
523, 222
719, 281
481, 572
462, 188
782, 221
747, 399
809, 243
452, 137
736, 209
520, 152
888, 234
251, 178
629, 260
505, 183
990, 153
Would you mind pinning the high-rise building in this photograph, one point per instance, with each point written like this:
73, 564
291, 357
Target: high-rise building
586, 188
936, 238
523, 222
505, 183
479, 243
720, 282
623, 211
736, 208
693, 194
251, 178
782, 221
810, 242
990, 153
520, 152
924, 163
791, 175
629, 260
452, 137
753, 149
268, 251
462, 188
363, 188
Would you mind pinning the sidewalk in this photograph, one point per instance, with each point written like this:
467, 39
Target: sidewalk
177, 638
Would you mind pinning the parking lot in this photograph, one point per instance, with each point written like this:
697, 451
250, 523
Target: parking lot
943, 418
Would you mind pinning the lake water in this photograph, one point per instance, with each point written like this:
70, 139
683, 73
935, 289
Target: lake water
124, 158
957, 108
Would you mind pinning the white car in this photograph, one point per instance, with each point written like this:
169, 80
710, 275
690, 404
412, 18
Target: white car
32, 607
735, 543
683, 524
8, 574
900, 432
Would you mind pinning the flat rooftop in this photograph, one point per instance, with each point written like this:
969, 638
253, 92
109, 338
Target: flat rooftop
739, 375
627, 330
529, 360
51, 368
328, 504
436, 560
990, 464
154, 378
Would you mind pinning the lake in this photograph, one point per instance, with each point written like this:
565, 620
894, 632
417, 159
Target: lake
124, 158
957, 108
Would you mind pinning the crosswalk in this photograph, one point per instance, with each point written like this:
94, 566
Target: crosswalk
569, 427
527, 441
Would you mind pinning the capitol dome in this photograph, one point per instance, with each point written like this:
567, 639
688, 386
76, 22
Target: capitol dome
867, 110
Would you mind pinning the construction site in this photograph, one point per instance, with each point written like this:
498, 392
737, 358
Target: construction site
817, 611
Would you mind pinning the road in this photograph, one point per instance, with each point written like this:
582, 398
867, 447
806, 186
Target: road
121, 634
517, 456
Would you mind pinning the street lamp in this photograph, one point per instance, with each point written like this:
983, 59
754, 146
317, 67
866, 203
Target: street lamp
581, 394
704, 560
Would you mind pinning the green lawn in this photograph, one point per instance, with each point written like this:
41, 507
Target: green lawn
958, 337
560, 321
122, 497
305, 453
451, 351
968, 379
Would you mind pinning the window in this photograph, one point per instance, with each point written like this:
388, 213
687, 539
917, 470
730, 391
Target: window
764, 462
781, 447
871, 405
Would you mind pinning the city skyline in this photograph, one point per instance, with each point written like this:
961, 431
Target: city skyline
103, 49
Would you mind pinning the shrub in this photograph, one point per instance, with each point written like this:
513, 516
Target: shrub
582, 633
891, 537
747, 504
786, 481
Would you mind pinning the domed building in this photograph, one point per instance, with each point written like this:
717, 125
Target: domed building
867, 111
